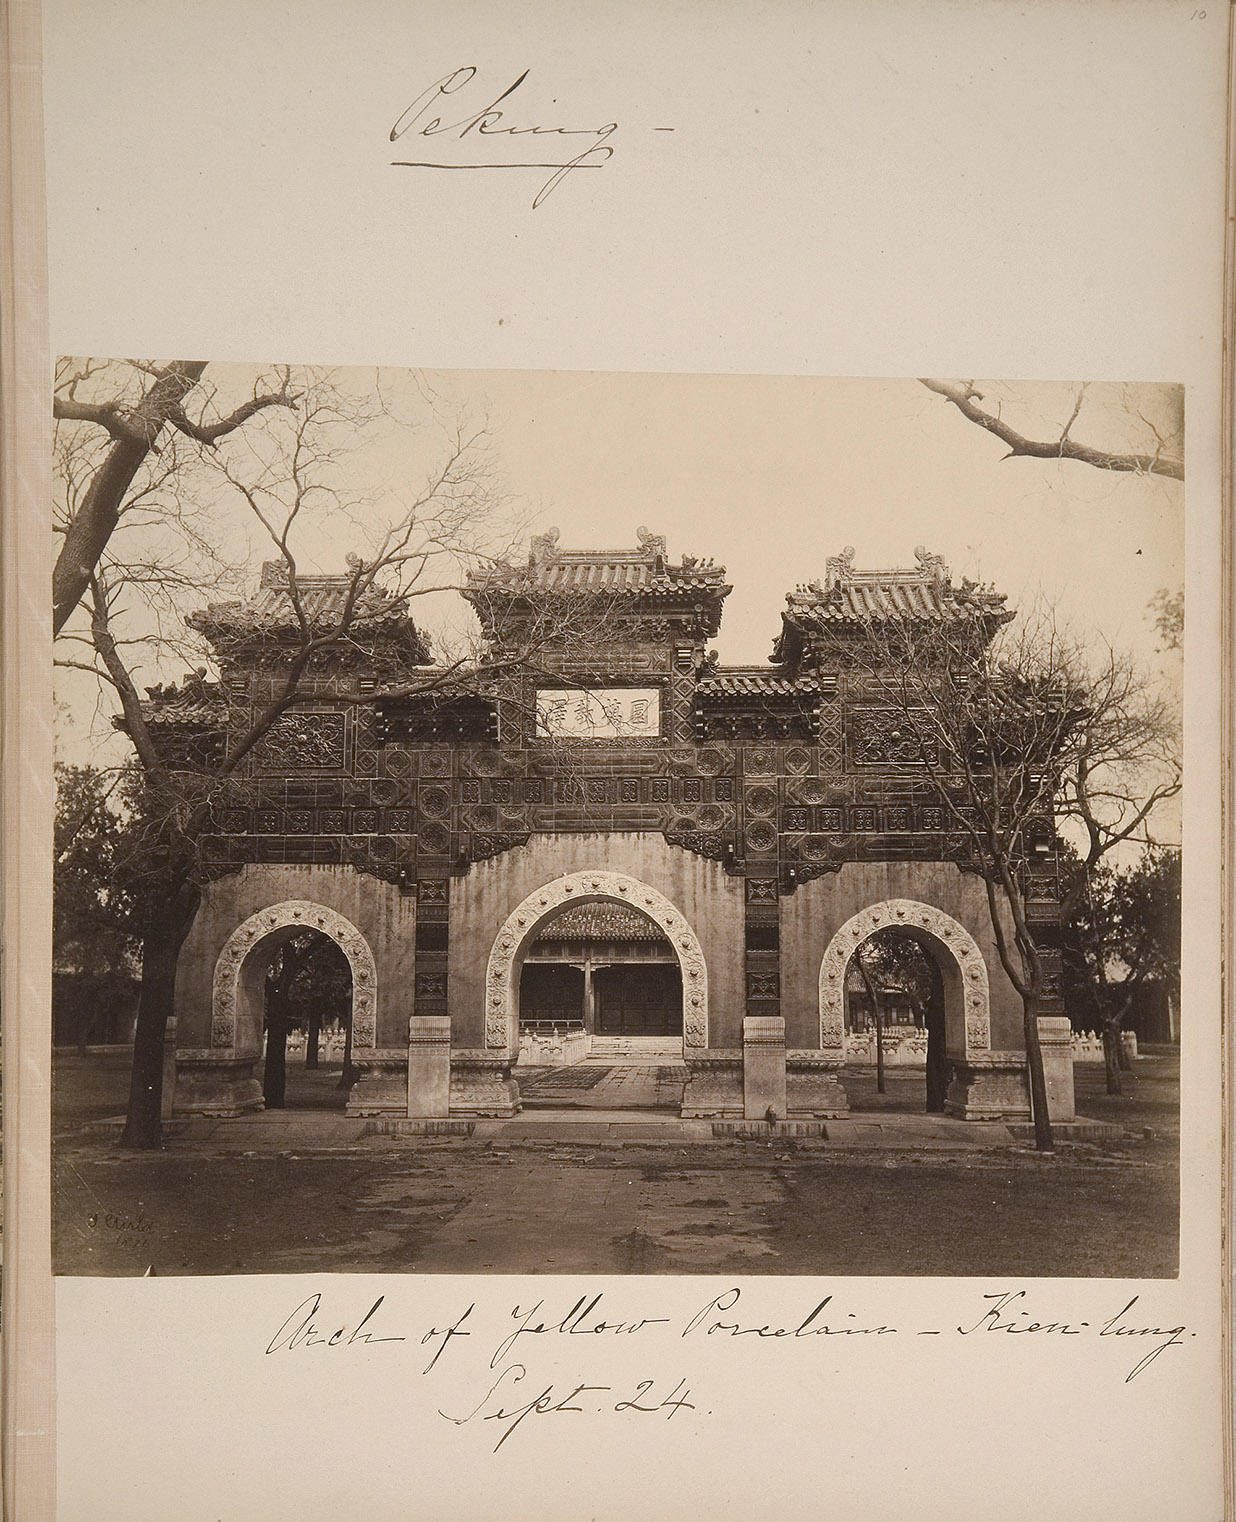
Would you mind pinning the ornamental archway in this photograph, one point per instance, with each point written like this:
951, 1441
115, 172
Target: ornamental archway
967, 995
237, 987
521, 926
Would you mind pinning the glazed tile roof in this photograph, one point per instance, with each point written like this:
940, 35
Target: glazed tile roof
323, 597
850, 600
925, 592
193, 701
643, 572
600, 922
613, 571
753, 682
185, 712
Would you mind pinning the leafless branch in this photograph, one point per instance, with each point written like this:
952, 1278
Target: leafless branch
966, 399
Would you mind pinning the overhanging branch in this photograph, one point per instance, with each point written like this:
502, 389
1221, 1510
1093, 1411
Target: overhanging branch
966, 399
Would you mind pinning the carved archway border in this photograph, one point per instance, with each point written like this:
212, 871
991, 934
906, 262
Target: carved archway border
502, 974
225, 990
905, 913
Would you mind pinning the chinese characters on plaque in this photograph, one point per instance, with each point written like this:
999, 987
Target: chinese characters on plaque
598, 713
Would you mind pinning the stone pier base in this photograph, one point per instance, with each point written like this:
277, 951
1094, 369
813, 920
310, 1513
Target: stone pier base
1056, 1042
714, 1086
381, 1086
813, 1087
763, 1067
429, 1066
989, 1088
481, 1085
215, 1083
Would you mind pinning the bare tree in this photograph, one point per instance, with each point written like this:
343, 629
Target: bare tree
128, 413
893, 961
1163, 459
1020, 726
288, 480
863, 959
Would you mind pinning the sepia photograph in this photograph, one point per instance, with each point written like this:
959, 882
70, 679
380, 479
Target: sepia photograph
541, 822
618, 826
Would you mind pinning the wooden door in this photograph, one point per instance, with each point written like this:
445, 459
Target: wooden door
638, 1001
549, 992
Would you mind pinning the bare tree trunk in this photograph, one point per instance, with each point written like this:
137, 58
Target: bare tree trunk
1025, 971
1038, 1083
311, 1039
1111, 1059
938, 1069
347, 1077
1115, 1059
275, 1068
873, 995
167, 923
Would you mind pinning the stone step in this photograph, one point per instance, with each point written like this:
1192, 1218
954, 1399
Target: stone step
635, 1046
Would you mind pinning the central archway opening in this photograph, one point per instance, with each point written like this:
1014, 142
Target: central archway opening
600, 1009
895, 1006
601, 970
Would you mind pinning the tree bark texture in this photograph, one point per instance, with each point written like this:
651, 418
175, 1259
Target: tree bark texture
1043, 1140
939, 1069
167, 924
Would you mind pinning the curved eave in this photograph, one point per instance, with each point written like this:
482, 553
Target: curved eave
234, 639
494, 605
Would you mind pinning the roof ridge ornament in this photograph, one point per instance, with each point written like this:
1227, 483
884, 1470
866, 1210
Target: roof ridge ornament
932, 565
544, 546
653, 545
837, 567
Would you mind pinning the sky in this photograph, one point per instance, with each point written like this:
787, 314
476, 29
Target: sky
768, 475
772, 475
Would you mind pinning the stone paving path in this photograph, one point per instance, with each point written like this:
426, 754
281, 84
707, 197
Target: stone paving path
624, 1093
616, 1078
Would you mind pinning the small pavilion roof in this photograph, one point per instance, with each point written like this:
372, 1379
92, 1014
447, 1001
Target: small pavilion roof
270, 612
193, 702
600, 922
645, 574
738, 682
850, 598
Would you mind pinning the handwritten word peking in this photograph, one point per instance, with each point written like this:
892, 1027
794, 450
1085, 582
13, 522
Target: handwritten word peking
487, 138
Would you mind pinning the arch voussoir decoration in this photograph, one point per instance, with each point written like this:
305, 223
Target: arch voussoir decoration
301, 914
906, 914
502, 973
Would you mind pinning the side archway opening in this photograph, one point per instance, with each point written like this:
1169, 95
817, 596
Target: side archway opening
239, 985
964, 987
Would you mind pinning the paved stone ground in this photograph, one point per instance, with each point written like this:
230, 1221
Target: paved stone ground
588, 1189
597, 1083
